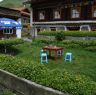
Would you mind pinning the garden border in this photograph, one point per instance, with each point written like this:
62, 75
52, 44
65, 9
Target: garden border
22, 86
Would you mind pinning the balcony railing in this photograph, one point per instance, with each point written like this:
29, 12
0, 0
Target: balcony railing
66, 22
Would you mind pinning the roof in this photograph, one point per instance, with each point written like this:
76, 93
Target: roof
8, 9
33, 1
41, 1
27, 2
23, 10
8, 12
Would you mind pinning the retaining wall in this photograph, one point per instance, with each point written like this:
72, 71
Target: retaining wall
24, 87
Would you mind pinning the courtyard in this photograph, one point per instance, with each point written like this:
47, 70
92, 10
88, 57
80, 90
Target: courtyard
75, 77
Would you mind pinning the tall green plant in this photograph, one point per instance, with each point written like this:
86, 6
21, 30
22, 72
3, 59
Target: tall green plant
60, 36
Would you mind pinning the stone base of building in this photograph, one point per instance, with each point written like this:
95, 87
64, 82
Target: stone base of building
63, 25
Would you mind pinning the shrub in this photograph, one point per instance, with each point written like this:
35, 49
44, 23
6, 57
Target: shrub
9, 42
67, 43
70, 33
78, 43
57, 79
91, 48
60, 36
42, 42
48, 33
4, 44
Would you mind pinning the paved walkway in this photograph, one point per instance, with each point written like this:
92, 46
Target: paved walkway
26, 39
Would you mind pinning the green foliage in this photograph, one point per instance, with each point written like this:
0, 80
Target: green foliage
79, 43
42, 42
11, 3
8, 92
48, 33
91, 48
57, 79
70, 33
9, 42
66, 43
60, 36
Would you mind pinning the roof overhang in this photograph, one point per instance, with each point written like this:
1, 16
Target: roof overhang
67, 22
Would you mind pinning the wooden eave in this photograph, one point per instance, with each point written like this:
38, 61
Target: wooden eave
23, 11
9, 12
4, 8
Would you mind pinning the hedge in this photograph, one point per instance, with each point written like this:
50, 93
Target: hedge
8, 43
79, 43
91, 48
57, 79
66, 43
70, 33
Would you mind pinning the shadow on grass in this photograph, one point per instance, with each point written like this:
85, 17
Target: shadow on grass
10, 50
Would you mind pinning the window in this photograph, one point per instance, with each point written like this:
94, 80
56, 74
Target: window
41, 15
56, 14
85, 28
94, 11
8, 31
38, 29
75, 12
53, 28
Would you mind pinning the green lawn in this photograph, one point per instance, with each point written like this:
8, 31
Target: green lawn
84, 62
77, 77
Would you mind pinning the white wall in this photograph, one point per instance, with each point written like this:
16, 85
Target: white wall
18, 32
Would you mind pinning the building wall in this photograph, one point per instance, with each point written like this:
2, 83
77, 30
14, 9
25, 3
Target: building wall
2, 35
66, 21
11, 14
65, 7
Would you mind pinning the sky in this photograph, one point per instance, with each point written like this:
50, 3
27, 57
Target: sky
1, 0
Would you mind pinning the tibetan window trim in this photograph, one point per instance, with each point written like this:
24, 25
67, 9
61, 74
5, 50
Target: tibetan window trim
41, 15
94, 11
56, 14
75, 12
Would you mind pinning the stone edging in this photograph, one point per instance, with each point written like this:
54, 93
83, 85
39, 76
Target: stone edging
25, 87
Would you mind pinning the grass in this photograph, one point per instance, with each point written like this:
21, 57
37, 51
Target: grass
11, 3
7, 92
84, 62
77, 77
4, 91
